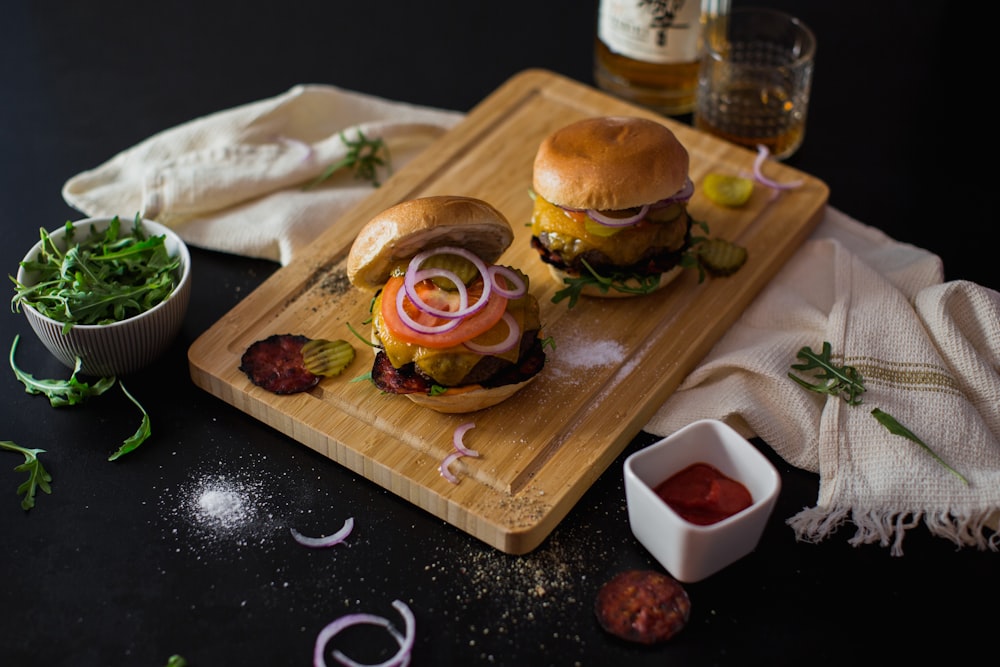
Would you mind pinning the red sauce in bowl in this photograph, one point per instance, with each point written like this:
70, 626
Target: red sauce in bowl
703, 495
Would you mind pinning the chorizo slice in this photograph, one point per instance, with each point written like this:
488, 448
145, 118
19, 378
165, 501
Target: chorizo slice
643, 606
276, 363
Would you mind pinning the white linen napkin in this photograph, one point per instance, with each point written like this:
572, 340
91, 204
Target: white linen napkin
930, 355
233, 181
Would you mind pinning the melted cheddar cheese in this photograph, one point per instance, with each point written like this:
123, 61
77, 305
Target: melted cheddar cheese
571, 233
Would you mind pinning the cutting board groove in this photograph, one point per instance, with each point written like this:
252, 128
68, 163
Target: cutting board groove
615, 361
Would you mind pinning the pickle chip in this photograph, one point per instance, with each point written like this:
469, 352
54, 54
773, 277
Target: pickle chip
327, 357
727, 190
720, 257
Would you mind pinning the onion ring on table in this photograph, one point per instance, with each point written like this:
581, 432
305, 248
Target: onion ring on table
458, 439
758, 172
405, 641
458, 452
326, 541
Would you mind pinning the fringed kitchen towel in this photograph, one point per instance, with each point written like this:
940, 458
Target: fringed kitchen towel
929, 355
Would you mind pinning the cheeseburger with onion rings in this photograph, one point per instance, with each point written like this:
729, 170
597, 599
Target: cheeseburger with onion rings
610, 206
452, 331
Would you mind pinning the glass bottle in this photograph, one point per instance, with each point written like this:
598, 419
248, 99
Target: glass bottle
648, 51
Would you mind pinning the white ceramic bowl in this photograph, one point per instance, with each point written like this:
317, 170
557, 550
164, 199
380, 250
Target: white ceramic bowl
122, 347
688, 551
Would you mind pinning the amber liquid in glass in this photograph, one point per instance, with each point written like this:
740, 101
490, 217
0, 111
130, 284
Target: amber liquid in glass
750, 115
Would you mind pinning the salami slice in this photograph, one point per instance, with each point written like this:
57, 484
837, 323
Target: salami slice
643, 606
276, 364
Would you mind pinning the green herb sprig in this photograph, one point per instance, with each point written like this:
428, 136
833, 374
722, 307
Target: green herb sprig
847, 383
141, 434
38, 476
627, 283
60, 392
843, 381
364, 157
106, 277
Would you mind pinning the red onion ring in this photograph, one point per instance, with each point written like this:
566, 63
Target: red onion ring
444, 468
458, 439
411, 279
328, 540
609, 221
682, 195
513, 336
460, 450
417, 326
758, 172
520, 288
418, 259
405, 641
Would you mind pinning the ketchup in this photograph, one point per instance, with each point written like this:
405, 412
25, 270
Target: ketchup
703, 495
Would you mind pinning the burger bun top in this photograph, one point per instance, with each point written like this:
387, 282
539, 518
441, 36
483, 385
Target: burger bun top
610, 163
400, 232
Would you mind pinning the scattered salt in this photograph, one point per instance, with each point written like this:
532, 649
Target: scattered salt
576, 353
223, 507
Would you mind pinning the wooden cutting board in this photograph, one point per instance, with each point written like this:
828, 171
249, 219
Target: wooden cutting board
615, 361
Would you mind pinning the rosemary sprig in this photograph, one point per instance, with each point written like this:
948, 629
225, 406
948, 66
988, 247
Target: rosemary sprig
364, 156
847, 383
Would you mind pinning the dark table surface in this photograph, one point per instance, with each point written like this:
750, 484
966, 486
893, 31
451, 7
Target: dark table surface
115, 567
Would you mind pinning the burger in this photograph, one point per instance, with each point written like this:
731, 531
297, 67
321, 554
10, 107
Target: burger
451, 330
610, 206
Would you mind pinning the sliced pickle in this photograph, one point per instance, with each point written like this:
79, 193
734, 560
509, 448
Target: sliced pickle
327, 357
720, 257
460, 266
597, 229
727, 190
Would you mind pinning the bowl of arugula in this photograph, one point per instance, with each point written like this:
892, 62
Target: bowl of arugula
108, 293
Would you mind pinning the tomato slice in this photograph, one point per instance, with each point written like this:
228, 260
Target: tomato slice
470, 327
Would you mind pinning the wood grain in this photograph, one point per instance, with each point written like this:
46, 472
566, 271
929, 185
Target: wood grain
615, 361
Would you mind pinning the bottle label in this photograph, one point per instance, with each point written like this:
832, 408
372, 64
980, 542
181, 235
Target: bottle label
654, 31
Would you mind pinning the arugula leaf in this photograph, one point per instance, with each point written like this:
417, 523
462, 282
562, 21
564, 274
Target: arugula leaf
141, 434
106, 277
629, 283
60, 392
843, 381
896, 428
38, 476
847, 383
616, 281
364, 156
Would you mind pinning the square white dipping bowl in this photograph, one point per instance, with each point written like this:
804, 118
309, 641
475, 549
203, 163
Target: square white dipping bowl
688, 551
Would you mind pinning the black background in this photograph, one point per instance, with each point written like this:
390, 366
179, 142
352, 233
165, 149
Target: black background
113, 569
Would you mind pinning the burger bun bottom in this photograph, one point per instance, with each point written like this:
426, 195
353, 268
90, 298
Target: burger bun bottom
468, 401
592, 290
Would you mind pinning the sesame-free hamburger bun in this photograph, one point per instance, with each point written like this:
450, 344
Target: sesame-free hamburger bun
611, 198
493, 351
